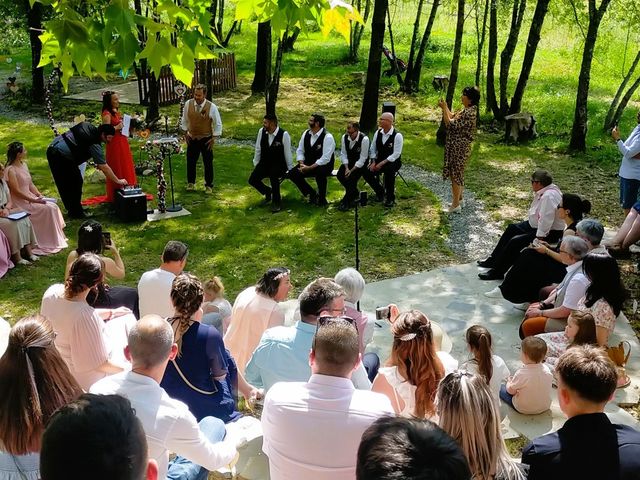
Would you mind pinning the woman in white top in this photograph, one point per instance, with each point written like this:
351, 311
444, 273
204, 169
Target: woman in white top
412, 373
489, 366
83, 339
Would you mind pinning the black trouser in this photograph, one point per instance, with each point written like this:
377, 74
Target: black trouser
373, 179
68, 179
273, 173
350, 183
320, 173
516, 237
195, 148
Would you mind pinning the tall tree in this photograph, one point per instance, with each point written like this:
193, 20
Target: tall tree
369, 112
262, 70
517, 14
34, 24
539, 14
357, 28
625, 100
611, 118
492, 103
412, 77
481, 33
579, 129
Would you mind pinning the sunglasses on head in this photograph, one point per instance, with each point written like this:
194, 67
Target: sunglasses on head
325, 320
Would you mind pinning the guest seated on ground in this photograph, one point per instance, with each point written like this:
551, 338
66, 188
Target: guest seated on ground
20, 233
395, 448
283, 352
154, 287
168, 424
550, 315
44, 214
312, 430
216, 308
468, 412
543, 223
628, 234
34, 382
412, 373
353, 284
528, 391
588, 446
203, 375
489, 366
255, 310
91, 349
541, 264
580, 330
104, 437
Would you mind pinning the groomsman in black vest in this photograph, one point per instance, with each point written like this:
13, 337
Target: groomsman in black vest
385, 154
354, 154
316, 158
272, 159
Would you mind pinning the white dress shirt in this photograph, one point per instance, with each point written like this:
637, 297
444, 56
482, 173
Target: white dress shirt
312, 430
543, 212
328, 147
214, 115
168, 423
154, 292
630, 167
364, 150
286, 143
577, 286
397, 145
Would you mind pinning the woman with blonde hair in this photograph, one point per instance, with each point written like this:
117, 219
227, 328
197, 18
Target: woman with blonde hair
412, 373
468, 412
34, 383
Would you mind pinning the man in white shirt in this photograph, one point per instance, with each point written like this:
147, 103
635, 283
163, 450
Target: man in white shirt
315, 157
353, 155
543, 223
168, 424
312, 430
272, 159
385, 154
202, 124
154, 287
629, 172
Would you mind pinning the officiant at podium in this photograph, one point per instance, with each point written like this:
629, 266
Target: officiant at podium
202, 124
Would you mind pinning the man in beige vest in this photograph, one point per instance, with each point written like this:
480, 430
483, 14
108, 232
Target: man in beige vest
202, 124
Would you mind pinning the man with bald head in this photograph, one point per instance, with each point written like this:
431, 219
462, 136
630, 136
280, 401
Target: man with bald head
168, 424
385, 154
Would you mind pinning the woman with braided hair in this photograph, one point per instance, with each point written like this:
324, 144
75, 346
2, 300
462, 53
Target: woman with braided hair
203, 374
34, 383
91, 348
412, 373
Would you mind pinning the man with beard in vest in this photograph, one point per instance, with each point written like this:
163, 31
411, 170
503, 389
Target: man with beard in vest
353, 154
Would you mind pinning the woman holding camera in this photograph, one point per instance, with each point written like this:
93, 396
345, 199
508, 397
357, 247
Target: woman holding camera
461, 130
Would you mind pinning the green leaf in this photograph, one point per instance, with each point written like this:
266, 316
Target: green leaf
126, 48
119, 16
182, 66
66, 67
50, 49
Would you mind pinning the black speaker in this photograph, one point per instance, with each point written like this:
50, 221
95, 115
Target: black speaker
389, 107
131, 208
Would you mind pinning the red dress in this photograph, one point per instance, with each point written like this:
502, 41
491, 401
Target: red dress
119, 158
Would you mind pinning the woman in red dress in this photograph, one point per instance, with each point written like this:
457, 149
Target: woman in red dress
119, 156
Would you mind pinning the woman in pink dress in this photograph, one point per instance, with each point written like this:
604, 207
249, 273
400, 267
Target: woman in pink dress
119, 156
5, 255
45, 215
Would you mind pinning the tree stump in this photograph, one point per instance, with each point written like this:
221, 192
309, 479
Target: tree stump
440, 83
520, 127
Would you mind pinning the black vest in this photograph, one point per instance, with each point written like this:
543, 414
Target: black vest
84, 135
313, 153
385, 149
273, 155
353, 154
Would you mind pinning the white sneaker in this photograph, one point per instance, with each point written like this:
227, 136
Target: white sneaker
495, 293
521, 306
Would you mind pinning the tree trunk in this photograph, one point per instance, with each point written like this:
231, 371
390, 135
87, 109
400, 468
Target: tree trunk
357, 29
507, 54
412, 82
262, 71
220, 20
609, 119
529, 54
369, 112
289, 40
273, 86
579, 130
34, 23
624, 101
492, 103
453, 76
153, 111
481, 35
414, 47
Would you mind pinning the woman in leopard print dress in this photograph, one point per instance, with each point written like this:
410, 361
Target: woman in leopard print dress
461, 129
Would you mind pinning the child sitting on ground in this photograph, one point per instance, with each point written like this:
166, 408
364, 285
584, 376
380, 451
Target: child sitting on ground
484, 362
529, 390
580, 330
215, 307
